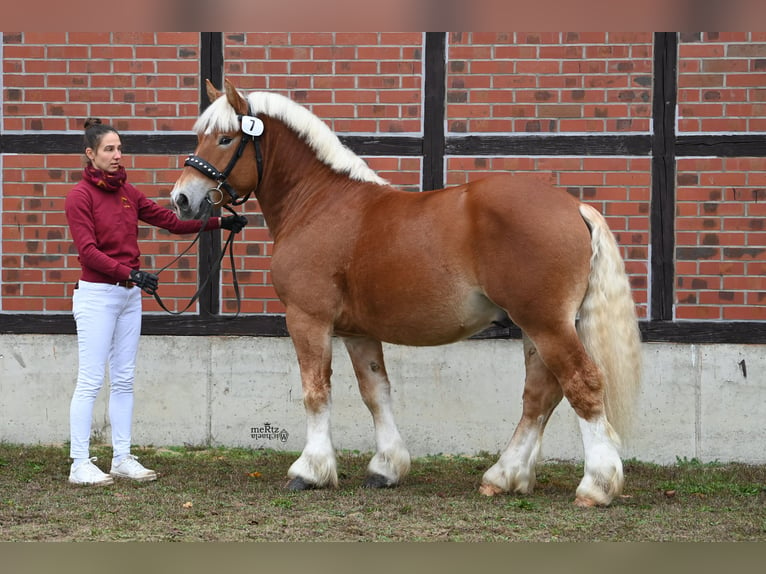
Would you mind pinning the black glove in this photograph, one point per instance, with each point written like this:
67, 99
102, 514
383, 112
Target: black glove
233, 223
147, 281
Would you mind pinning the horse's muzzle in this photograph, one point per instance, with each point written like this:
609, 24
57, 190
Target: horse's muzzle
182, 206
179, 203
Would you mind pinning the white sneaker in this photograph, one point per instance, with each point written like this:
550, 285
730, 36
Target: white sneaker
88, 474
129, 467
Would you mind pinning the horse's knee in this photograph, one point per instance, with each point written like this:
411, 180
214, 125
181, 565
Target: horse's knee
316, 396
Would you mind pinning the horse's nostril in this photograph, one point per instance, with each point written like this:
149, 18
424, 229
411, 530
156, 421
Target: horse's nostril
182, 202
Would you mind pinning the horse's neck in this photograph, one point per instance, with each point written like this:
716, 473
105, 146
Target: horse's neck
296, 184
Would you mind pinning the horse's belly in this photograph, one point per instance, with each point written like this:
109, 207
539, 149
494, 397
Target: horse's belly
427, 321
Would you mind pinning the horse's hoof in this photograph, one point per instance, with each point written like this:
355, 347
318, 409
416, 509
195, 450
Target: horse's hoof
584, 502
298, 483
490, 490
377, 481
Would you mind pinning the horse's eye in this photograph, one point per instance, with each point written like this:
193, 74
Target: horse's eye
225, 140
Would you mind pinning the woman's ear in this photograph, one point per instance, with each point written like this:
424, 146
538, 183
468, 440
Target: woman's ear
89, 153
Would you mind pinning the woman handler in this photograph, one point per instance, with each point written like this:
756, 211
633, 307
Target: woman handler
103, 211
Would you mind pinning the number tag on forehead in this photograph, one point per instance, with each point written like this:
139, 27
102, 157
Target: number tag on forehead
252, 126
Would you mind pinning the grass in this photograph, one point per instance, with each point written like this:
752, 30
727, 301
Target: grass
228, 494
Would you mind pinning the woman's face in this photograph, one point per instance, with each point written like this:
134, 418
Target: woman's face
109, 153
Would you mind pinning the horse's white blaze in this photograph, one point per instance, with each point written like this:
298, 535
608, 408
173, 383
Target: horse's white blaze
603, 478
515, 470
317, 465
195, 189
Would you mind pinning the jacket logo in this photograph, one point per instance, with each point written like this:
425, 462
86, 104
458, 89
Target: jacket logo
125, 202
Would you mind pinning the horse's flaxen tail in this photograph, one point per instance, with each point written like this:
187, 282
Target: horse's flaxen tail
608, 327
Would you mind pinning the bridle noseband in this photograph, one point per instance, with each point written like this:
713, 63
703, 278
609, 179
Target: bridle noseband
251, 128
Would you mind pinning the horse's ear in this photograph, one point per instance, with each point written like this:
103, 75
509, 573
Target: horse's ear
235, 99
212, 93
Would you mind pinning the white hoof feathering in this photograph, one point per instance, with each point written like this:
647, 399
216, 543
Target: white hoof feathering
392, 465
317, 471
317, 466
515, 471
603, 478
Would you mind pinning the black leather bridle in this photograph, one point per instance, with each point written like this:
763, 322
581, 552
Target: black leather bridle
209, 170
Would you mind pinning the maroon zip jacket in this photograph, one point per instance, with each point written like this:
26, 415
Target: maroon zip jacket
104, 227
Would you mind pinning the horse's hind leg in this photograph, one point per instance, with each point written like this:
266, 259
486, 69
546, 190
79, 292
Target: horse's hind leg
515, 470
392, 460
583, 386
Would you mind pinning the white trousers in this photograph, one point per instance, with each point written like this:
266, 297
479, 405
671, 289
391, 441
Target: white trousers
108, 321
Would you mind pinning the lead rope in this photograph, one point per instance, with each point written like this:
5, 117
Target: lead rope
229, 244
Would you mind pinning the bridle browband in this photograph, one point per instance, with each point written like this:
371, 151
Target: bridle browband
209, 170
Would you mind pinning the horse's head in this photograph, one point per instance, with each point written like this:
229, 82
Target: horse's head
226, 166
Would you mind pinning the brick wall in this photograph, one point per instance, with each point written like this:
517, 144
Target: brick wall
138, 82
549, 82
722, 82
721, 202
372, 83
721, 239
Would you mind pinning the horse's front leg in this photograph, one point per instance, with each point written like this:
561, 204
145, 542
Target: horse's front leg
316, 467
391, 462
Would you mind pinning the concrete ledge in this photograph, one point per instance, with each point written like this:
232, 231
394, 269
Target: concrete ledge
698, 401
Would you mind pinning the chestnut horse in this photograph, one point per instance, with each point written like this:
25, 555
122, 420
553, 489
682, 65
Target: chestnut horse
355, 258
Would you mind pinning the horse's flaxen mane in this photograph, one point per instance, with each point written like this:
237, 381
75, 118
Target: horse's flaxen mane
221, 117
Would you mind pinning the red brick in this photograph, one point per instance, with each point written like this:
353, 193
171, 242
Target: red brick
514, 52
749, 312
538, 67
697, 312
311, 38
356, 38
